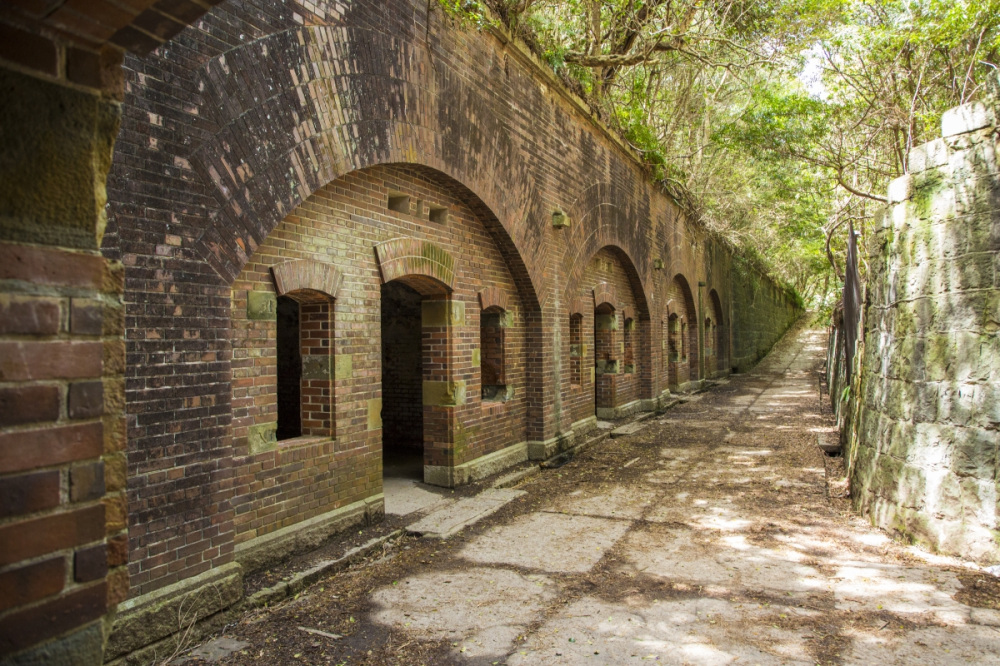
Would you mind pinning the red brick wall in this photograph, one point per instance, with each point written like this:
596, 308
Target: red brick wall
602, 390
340, 224
62, 431
230, 160
62, 471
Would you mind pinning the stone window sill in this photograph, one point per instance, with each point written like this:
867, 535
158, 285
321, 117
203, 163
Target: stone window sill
303, 440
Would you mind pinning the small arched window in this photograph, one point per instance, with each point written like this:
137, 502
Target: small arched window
492, 365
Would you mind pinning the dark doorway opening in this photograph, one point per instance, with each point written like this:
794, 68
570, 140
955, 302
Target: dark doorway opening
402, 382
289, 370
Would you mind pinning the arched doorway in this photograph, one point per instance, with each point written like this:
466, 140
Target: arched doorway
404, 355
682, 335
607, 359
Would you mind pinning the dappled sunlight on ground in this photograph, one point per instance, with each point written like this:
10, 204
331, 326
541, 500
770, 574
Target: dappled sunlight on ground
719, 542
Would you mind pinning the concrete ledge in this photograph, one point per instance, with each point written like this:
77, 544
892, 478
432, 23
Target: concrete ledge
621, 411
480, 468
146, 619
548, 448
308, 534
584, 426
692, 386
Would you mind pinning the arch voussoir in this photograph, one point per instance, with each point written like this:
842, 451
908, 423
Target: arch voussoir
412, 257
306, 274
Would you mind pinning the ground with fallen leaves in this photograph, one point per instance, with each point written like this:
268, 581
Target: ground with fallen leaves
718, 534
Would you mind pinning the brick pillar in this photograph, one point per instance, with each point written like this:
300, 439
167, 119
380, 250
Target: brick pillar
442, 393
63, 545
316, 346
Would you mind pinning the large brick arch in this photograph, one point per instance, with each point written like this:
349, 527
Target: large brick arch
339, 100
608, 217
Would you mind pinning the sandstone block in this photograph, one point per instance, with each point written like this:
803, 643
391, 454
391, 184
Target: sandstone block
966, 118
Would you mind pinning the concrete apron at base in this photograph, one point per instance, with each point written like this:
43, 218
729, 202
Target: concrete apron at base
146, 626
498, 461
621, 411
480, 468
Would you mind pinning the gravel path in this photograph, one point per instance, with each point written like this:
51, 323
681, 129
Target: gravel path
717, 534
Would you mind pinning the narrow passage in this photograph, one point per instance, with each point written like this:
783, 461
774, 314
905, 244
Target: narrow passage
708, 537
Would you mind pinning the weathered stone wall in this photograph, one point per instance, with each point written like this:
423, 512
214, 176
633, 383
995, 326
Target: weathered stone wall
761, 312
923, 455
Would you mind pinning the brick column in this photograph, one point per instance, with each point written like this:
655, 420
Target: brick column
63, 544
442, 393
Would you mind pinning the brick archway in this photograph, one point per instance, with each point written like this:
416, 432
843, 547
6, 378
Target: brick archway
682, 362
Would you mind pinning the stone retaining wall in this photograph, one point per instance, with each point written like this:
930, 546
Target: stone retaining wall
925, 436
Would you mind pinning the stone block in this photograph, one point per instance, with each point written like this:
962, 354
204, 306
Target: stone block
979, 158
81, 646
262, 306
144, 620
966, 118
343, 366
56, 139
929, 155
606, 322
974, 453
263, 437
901, 215
306, 535
444, 393
374, 413
319, 366
438, 314
900, 189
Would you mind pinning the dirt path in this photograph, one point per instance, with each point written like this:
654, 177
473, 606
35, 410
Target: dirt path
706, 538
